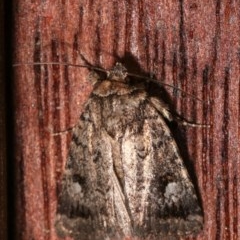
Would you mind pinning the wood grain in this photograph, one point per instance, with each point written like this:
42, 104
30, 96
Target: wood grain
193, 45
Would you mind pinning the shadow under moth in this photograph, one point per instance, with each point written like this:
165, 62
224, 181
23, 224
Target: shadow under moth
124, 176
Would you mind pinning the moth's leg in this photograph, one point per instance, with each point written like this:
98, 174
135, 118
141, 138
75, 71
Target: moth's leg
163, 108
63, 131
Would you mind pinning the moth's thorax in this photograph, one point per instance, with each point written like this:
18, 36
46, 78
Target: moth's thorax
109, 87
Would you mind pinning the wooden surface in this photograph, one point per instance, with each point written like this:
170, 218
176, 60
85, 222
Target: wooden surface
193, 45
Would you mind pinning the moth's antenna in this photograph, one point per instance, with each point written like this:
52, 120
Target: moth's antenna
59, 63
165, 84
105, 71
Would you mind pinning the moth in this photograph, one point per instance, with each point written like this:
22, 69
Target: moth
124, 176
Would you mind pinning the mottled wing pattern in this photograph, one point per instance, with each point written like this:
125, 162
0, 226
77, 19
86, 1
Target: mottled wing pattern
124, 175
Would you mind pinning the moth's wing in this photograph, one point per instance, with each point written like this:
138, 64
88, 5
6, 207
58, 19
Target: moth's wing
91, 202
161, 196
124, 175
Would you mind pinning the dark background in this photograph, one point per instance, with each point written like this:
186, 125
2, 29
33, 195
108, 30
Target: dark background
6, 123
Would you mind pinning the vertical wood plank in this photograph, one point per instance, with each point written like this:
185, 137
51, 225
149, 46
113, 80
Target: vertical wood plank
193, 45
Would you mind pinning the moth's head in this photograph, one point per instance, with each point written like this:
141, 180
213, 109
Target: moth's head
118, 73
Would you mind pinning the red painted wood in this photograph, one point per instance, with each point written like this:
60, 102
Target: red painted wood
193, 45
